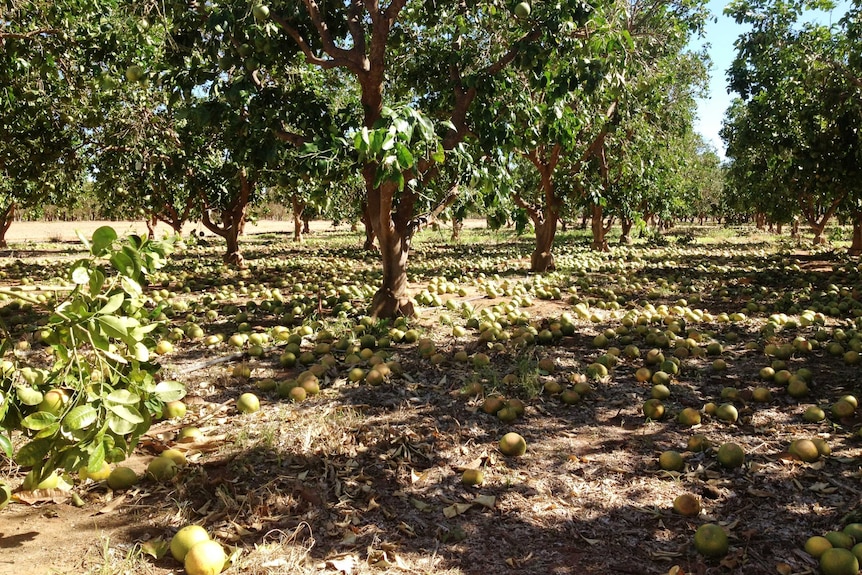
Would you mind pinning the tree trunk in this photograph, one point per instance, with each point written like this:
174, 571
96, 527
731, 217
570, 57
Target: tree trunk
306, 226
626, 237
298, 207
856, 245
457, 226
779, 226
542, 259
6, 218
818, 229
759, 220
369, 228
232, 222
794, 229
152, 220
599, 243
393, 236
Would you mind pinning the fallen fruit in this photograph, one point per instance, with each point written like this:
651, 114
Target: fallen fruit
513, 444
185, 539
248, 403
710, 540
472, 477
816, 546
671, 461
122, 478
838, 562
162, 468
687, 504
205, 558
730, 455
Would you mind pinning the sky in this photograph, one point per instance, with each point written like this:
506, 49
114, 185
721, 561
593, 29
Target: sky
720, 36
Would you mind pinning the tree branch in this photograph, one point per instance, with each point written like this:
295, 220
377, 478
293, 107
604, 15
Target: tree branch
340, 60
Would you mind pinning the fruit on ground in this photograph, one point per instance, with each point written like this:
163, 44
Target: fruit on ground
248, 403
689, 416
492, 404
99, 475
122, 478
817, 545
189, 435
730, 455
814, 414
205, 558
710, 540
857, 549
513, 444
838, 561
162, 468
697, 443
653, 409
687, 504
671, 461
842, 408
839, 539
804, 450
185, 539
472, 477
854, 530
174, 409
727, 412
175, 455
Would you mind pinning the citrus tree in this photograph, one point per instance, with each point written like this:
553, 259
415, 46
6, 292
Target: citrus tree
399, 131
800, 92
101, 392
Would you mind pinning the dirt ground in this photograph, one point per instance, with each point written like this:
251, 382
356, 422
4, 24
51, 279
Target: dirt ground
367, 479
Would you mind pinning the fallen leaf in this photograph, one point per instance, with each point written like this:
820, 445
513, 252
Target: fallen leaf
343, 564
590, 541
156, 548
43, 496
758, 492
676, 570
488, 501
784, 569
419, 504
113, 505
240, 530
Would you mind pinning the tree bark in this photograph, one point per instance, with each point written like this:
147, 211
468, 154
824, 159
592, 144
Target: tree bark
370, 236
393, 236
6, 219
626, 238
298, 207
597, 221
457, 226
232, 222
151, 222
856, 245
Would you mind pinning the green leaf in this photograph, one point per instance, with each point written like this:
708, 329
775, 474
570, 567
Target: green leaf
33, 453
119, 426
115, 327
405, 158
128, 413
131, 287
80, 417
97, 282
113, 304
6, 445
81, 276
49, 431
97, 457
123, 264
39, 420
123, 397
170, 390
28, 395
102, 240
84, 240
